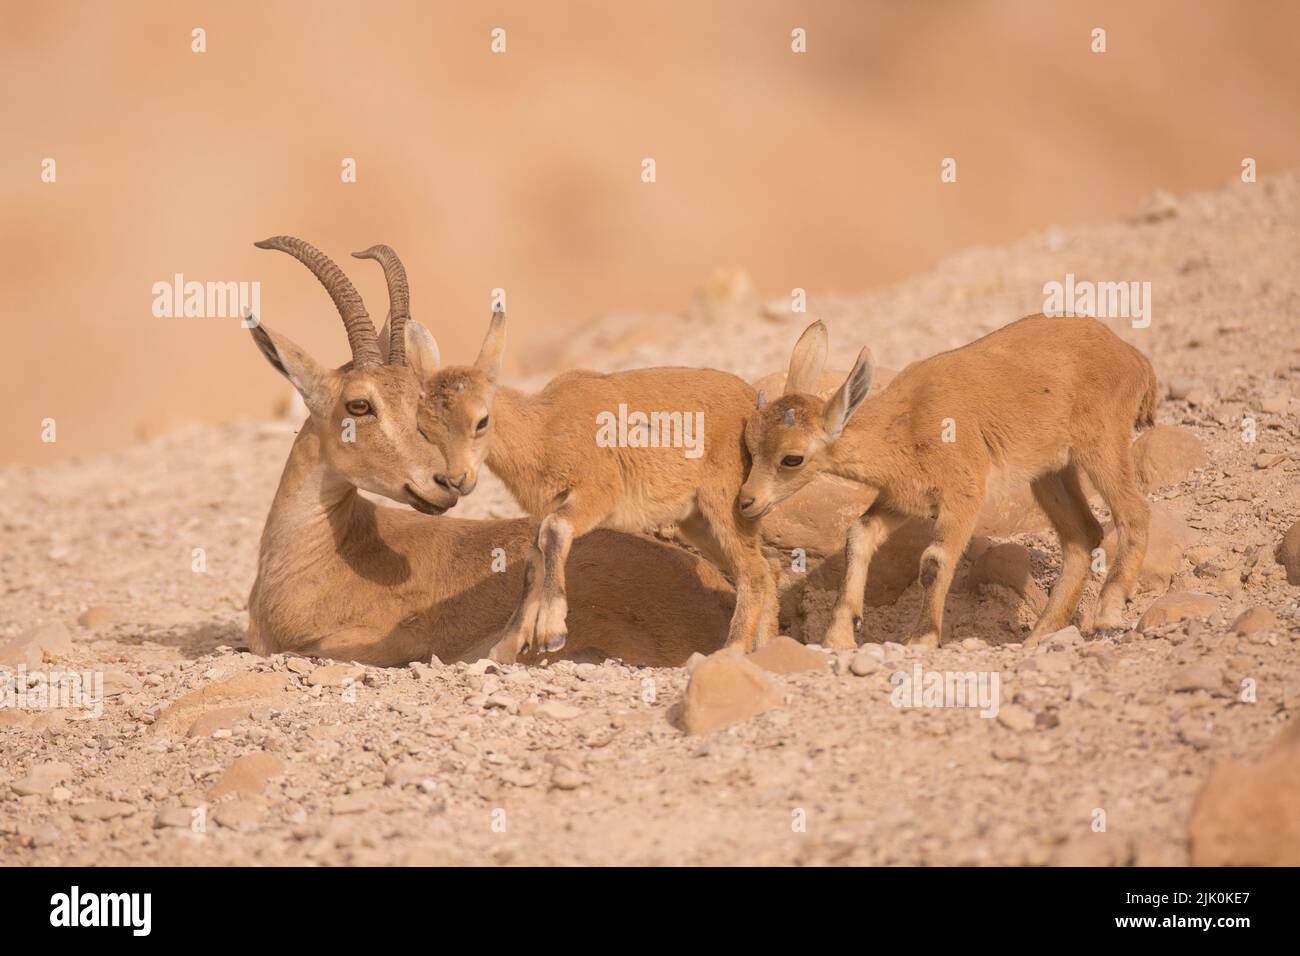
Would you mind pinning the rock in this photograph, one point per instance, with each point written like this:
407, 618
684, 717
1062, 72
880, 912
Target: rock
262, 688
563, 778
1014, 511
1288, 555
1168, 538
406, 772
557, 710
1245, 814
1200, 675
300, 666
862, 663
238, 815
1256, 619
223, 718
1165, 455
817, 517
102, 810
1015, 717
249, 774
35, 645
724, 689
181, 818
521, 778
117, 683
784, 655
1177, 606
101, 615
350, 803
336, 675
1275, 404
1099, 699
1065, 637
42, 779
1178, 388
1008, 565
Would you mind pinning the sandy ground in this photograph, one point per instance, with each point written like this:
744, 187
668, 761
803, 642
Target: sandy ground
580, 763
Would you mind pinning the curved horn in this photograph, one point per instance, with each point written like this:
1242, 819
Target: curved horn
399, 299
361, 331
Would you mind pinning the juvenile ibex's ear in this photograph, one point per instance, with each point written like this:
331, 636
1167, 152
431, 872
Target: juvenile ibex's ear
421, 351
849, 396
317, 385
806, 360
494, 346
385, 338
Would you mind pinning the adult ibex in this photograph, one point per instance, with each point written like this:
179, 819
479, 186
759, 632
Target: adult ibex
343, 578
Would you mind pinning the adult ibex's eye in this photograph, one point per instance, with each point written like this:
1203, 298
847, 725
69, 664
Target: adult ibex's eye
358, 407
482, 425
792, 461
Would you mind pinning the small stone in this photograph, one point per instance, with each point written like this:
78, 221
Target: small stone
521, 778
249, 774
117, 683
557, 710
1177, 606
406, 772
41, 780
784, 655
860, 665
238, 815
503, 702
1017, 718
1275, 404
102, 810
100, 615
1256, 619
350, 803
299, 665
564, 778
33, 646
1201, 675
181, 818
725, 689
336, 675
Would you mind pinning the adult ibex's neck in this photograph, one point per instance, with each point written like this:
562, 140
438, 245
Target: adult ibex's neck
518, 441
313, 505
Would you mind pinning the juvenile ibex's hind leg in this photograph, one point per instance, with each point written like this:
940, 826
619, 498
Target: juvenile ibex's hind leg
1063, 500
865, 536
952, 531
1112, 473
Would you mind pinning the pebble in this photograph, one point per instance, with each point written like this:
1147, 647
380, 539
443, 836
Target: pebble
1015, 717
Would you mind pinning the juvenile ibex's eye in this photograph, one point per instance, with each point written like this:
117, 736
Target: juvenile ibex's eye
792, 461
483, 424
358, 407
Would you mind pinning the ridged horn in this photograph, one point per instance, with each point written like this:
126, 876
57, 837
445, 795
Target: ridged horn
362, 336
399, 299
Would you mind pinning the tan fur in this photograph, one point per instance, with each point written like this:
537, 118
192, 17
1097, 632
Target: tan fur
343, 578
544, 448
1037, 401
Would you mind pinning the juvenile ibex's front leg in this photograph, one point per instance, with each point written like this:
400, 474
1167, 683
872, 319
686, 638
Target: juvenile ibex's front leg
865, 536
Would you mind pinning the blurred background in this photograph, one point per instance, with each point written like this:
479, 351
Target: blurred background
522, 170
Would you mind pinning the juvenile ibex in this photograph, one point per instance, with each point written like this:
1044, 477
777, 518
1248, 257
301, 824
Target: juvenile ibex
1036, 401
631, 450
340, 577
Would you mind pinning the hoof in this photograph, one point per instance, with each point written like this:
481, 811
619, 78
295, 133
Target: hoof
554, 642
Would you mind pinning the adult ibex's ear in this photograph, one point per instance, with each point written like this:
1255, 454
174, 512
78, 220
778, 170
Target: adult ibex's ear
494, 346
421, 351
317, 385
849, 396
806, 360
386, 338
